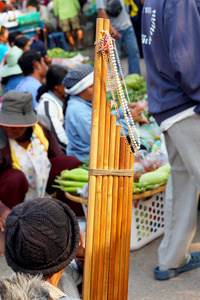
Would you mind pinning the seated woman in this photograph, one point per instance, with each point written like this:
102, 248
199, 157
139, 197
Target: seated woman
30, 156
11, 73
79, 85
51, 98
23, 43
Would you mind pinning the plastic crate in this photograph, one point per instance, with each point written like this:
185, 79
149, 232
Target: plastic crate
147, 220
29, 20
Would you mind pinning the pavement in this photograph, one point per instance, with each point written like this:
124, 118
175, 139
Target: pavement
142, 285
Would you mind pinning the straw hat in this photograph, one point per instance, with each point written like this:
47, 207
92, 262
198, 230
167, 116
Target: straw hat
12, 67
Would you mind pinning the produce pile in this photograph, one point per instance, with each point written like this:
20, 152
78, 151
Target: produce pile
60, 53
74, 180
152, 180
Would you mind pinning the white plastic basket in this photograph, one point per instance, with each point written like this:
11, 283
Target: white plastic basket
147, 220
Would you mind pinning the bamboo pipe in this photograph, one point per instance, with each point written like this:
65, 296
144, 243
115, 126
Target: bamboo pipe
103, 203
128, 235
109, 206
124, 223
97, 211
119, 217
114, 217
93, 165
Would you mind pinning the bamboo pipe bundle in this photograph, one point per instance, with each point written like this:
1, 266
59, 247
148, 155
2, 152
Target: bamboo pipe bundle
100, 165
109, 196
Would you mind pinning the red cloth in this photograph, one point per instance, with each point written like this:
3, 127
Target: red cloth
13, 187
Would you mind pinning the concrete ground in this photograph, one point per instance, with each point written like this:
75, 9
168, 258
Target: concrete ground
142, 285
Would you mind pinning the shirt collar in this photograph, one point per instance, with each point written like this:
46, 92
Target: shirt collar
56, 98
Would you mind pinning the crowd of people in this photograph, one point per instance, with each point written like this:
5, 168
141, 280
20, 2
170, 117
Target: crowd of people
45, 125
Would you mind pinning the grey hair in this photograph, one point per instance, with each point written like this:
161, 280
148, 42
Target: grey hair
23, 287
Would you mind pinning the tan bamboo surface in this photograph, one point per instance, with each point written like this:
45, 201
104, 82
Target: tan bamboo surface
100, 160
119, 220
124, 222
109, 196
93, 165
103, 205
109, 200
114, 219
128, 235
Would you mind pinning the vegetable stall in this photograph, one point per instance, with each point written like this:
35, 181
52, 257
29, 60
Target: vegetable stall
67, 58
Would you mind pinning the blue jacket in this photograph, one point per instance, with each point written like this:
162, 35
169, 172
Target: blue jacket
78, 127
171, 46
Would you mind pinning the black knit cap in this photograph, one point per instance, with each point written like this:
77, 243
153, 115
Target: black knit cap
41, 236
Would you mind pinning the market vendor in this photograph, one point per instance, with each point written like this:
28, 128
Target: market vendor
30, 156
79, 86
23, 43
34, 70
11, 73
51, 102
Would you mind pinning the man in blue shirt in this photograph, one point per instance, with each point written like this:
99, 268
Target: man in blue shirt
34, 70
171, 47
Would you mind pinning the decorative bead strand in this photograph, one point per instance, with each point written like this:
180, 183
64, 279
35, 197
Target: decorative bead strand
107, 43
122, 100
128, 110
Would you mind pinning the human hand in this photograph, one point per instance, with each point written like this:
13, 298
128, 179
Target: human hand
115, 34
2, 224
81, 250
47, 60
136, 111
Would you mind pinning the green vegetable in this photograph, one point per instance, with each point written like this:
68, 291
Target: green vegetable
165, 168
154, 177
60, 53
70, 183
77, 174
135, 81
73, 189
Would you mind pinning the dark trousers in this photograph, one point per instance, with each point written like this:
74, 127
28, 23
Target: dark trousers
14, 185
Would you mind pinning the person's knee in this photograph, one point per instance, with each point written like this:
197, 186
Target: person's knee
15, 176
13, 187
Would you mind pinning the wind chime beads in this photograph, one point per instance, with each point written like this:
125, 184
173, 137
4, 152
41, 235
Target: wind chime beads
108, 45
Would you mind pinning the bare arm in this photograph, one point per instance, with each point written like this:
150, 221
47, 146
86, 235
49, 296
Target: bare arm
103, 14
142, 1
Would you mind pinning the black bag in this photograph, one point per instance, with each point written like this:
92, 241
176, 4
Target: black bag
113, 8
